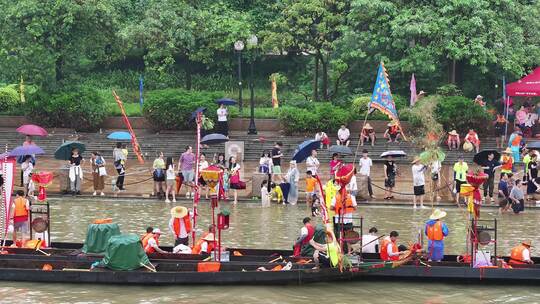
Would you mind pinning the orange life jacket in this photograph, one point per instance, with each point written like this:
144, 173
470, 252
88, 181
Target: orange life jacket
176, 225
197, 248
384, 251
20, 207
516, 256
517, 141
507, 163
148, 249
434, 232
145, 238
348, 204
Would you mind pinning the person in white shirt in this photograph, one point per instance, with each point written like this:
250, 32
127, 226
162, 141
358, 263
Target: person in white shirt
365, 170
418, 182
153, 245
352, 187
323, 138
343, 135
369, 243
203, 164
222, 114
312, 163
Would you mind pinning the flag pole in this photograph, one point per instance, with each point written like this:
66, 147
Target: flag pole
506, 102
360, 139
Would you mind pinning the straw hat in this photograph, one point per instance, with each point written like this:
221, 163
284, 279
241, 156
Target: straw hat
391, 124
453, 132
415, 160
209, 237
368, 126
156, 231
507, 151
437, 214
527, 243
179, 212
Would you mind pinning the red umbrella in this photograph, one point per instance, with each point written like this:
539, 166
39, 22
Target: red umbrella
32, 130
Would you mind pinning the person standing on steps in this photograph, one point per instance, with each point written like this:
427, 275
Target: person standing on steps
158, 174
75, 171
419, 182
98, 172
490, 166
312, 163
390, 172
365, 170
119, 164
460, 175
186, 165
223, 125
170, 180
276, 159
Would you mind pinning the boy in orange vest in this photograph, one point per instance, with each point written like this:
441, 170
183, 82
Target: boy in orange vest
20, 209
436, 231
521, 254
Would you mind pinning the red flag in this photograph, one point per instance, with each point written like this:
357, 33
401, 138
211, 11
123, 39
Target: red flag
134, 142
414, 97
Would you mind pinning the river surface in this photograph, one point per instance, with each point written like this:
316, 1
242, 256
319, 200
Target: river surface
275, 227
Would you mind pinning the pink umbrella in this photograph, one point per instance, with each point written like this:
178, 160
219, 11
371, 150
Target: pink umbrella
32, 130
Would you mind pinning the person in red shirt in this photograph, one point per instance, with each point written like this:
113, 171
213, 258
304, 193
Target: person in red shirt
453, 140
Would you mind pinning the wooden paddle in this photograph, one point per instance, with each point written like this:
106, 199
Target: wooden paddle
276, 259
373, 241
152, 269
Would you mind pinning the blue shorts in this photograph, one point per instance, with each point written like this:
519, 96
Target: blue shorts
189, 176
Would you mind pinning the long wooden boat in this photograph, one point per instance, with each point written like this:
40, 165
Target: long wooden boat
172, 268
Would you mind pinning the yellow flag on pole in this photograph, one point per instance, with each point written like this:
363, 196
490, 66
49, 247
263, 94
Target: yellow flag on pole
275, 102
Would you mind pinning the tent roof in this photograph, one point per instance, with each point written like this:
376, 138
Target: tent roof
527, 86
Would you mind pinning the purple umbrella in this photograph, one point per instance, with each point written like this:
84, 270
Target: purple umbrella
32, 130
26, 150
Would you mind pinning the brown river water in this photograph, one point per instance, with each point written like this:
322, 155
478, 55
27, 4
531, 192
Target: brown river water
274, 227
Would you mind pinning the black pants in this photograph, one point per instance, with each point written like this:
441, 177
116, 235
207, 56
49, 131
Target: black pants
223, 128
488, 185
120, 179
369, 189
183, 241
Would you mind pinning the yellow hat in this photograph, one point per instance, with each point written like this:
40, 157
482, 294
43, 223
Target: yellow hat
415, 160
437, 214
508, 151
179, 212
527, 243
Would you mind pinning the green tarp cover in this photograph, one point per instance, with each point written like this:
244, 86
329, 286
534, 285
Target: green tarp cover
97, 237
124, 252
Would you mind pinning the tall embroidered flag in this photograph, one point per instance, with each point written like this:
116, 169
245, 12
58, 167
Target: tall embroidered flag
134, 142
275, 102
414, 97
382, 99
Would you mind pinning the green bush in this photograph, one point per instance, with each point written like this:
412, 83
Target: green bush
82, 108
460, 113
171, 108
9, 98
322, 116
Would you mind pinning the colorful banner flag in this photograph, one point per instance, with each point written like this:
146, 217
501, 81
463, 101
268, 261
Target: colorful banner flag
275, 102
8, 174
414, 96
141, 87
382, 99
134, 142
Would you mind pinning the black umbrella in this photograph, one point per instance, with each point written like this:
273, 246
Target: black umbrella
226, 101
343, 150
481, 157
214, 139
194, 113
394, 153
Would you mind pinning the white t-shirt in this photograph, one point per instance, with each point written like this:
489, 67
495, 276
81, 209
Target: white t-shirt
203, 165
418, 175
365, 166
369, 248
435, 166
343, 134
222, 114
170, 173
352, 185
152, 243
312, 164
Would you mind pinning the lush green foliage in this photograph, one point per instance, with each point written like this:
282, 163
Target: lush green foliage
321, 116
9, 98
81, 108
172, 108
460, 113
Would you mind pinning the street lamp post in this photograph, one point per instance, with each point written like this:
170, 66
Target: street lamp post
252, 43
239, 46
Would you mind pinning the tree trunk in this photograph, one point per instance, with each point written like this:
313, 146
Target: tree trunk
59, 68
316, 80
324, 64
452, 72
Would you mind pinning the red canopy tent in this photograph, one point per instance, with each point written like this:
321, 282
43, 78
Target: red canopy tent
527, 86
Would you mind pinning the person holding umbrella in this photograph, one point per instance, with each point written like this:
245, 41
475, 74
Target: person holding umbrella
390, 172
26, 169
75, 171
490, 166
119, 164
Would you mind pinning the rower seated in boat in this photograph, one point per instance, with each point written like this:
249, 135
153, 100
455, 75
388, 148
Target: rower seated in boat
389, 248
145, 237
206, 244
521, 254
153, 243
306, 234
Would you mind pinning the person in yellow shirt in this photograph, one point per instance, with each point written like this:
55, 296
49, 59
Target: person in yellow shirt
460, 175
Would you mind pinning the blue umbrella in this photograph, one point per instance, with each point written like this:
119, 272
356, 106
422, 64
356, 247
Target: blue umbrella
214, 139
120, 135
304, 150
26, 150
194, 113
226, 101
64, 151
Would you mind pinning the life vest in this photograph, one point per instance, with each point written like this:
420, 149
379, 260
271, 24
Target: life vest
516, 256
145, 238
384, 251
348, 204
298, 247
20, 207
507, 163
333, 253
516, 142
197, 248
434, 232
176, 225
148, 249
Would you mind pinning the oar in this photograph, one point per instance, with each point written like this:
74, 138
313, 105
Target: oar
41, 251
276, 259
76, 269
152, 269
372, 241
